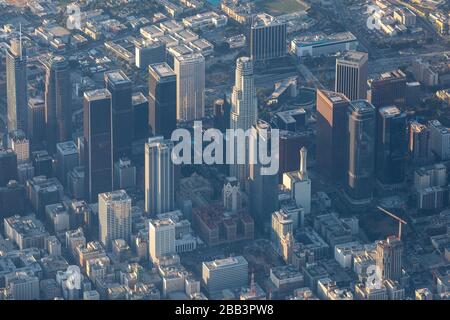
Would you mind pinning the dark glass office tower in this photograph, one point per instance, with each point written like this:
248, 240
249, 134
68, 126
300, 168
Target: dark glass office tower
16, 86
263, 188
331, 135
97, 143
361, 151
58, 102
140, 116
120, 87
391, 146
162, 99
388, 89
8, 166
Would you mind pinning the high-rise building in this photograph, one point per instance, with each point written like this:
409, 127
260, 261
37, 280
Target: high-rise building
97, 142
20, 145
8, 166
351, 75
119, 85
149, 52
190, 71
391, 145
36, 120
389, 258
263, 188
361, 151
299, 184
244, 109
162, 100
159, 176
58, 102
161, 238
419, 143
66, 160
267, 37
229, 273
440, 140
331, 155
388, 89
114, 214
16, 86
42, 163
125, 174
140, 116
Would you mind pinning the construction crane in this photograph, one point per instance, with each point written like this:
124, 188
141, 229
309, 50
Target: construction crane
400, 221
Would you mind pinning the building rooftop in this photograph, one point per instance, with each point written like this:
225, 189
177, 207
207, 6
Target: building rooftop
138, 98
99, 94
67, 147
225, 263
162, 70
117, 195
362, 106
117, 77
263, 20
353, 57
323, 39
390, 111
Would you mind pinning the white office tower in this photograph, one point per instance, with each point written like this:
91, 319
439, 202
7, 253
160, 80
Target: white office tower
351, 75
229, 273
161, 238
299, 184
244, 109
114, 212
159, 176
231, 194
190, 71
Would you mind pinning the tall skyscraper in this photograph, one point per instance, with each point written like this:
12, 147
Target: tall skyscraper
388, 89
331, 135
120, 87
161, 238
140, 116
16, 86
58, 102
351, 75
66, 160
419, 143
267, 37
244, 109
97, 143
190, 71
114, 213
162, 86
8, 166
36, 120
263, 188
391, 146
159, 176
389, 258
361, 151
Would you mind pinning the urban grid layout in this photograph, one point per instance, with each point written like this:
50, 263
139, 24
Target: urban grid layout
224, 150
